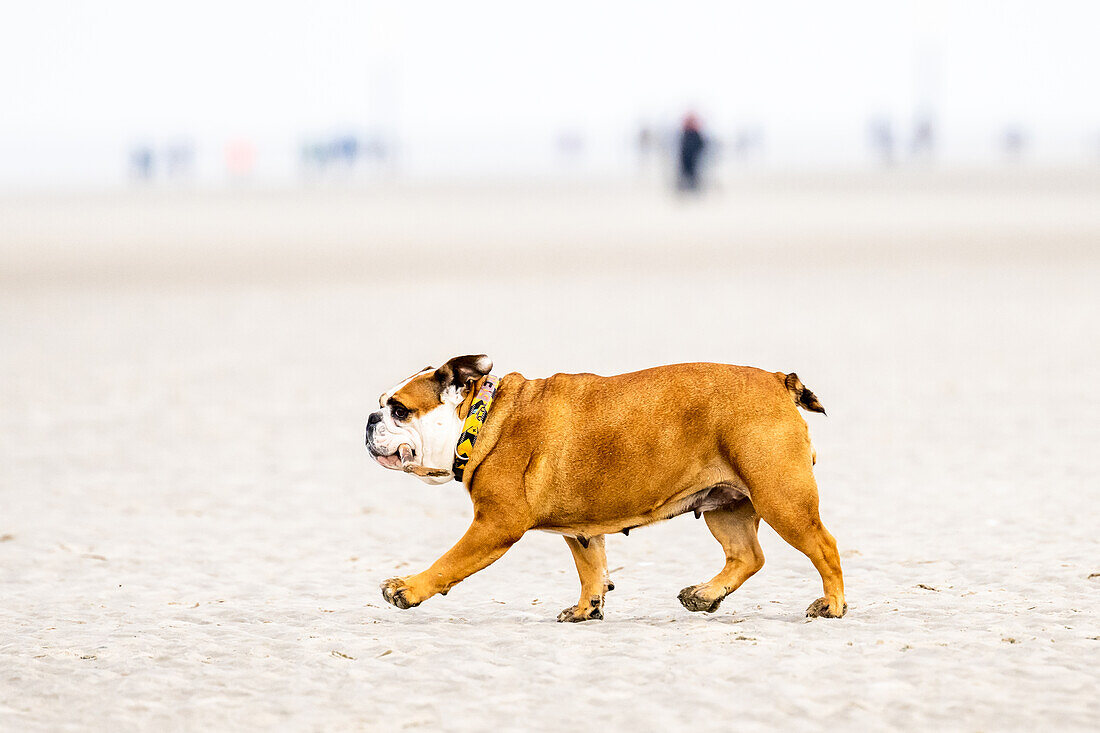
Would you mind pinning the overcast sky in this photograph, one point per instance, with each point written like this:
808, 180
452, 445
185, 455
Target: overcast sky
440, 73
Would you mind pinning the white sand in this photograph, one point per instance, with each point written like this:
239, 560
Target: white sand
191, 534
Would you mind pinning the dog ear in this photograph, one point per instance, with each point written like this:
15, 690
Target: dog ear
462, 371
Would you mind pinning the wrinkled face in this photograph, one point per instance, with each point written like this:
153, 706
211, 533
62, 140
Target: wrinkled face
418, 424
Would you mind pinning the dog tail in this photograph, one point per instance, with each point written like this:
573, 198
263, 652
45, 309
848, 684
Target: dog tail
801, 394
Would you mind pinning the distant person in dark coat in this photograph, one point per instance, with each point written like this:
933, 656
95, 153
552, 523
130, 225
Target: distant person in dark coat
692, 145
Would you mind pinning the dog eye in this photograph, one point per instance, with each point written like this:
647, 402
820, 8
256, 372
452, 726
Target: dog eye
400, 412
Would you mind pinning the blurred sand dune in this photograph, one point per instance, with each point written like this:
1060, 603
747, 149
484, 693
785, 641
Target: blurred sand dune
164, 235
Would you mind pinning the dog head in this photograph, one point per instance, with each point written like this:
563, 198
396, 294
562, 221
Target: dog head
418, 424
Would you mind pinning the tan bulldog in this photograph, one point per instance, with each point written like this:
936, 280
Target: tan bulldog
583, 455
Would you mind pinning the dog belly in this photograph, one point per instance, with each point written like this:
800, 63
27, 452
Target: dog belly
713, 497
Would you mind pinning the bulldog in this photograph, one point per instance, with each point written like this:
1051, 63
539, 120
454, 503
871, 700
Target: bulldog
583, 456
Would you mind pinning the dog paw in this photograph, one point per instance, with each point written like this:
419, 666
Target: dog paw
398, 594
693, 599
592, 611
820, 609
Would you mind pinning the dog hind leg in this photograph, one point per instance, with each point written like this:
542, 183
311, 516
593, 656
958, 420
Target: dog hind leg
787, 500
735, 528
591, 561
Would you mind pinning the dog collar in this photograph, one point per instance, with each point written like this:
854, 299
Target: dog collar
479, 410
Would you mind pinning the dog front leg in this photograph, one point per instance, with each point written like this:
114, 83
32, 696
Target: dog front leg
484, 542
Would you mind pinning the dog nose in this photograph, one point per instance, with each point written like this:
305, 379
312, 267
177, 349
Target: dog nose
375, 417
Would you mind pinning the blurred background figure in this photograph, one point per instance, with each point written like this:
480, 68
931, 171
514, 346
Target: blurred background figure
692, 147
240, 159
337, 157
179, 161
1013, 143
570, 147
880, 136
141, 163
924, 139
312, 157
345, 151
645, 146
376, 149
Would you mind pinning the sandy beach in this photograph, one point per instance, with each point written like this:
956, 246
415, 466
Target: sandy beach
192, 534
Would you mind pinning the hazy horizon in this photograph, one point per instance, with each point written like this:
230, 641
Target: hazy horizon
466, 91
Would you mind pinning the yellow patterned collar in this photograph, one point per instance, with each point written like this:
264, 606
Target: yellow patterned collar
479, 410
